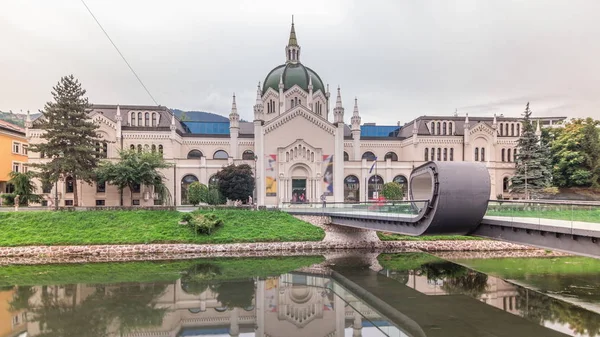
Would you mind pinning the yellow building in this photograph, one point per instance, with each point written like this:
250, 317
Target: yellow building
12, 323
13, 153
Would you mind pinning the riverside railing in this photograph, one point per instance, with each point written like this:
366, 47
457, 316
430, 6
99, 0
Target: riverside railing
388, 209
563, 214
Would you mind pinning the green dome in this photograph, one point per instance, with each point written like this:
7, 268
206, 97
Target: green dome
293, 73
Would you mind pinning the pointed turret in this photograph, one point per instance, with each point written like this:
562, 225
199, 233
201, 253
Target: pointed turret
338, 111
309, 99
234, 117
355, 120
119, 119
292, 50
173, 127
494, 122
415, 128
259, 106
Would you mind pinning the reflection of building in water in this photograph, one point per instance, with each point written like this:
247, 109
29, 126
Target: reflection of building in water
289, 305
497, 293
12, 322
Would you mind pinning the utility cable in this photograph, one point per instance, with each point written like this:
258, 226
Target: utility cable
118, 51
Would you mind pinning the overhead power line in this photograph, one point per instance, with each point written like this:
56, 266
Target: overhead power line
118, 51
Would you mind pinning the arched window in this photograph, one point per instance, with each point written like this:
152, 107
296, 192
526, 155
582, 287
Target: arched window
432, 128
518, 129
451, 154
69, 185
139, 121
505, 184
153, 148
426, 154
139, 147
402, 181
248, 155
101, 150
194, 154
375, 184
444, 129
482, 154
439, 154
432, 154
132, 147
147, 119
508, 156
153, 119
160, 149
503, 154
346, 156
506, 129
351, 189
445, 154
369, 156
213, 181
132, 122
439, 126
512, 129
147, 148
220, 154
450, 127
476, 154
501, 132
186, 181
392, 155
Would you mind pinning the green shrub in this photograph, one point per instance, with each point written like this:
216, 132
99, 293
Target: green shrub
187, 217
204, 223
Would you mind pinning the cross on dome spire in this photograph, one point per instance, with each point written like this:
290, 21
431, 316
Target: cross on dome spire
292, 50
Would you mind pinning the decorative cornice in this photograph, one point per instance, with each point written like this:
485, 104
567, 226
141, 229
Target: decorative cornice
482, 127
206, 142
100, 119
295, 90
145, 136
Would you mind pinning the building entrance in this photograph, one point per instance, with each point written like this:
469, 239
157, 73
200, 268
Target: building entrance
299, 191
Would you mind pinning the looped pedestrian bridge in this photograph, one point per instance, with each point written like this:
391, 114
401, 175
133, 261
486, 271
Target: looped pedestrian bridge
452, 198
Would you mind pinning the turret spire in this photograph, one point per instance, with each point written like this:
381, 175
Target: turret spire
355, 112
233, 106
292, 50
338, 101
258, 95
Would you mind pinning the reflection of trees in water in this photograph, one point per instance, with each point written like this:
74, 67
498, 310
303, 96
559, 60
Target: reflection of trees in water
456, 278
204, 276
20, 300
199, 278
127, 307
541, 308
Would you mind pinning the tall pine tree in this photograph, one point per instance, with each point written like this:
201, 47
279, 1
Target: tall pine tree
533, 161
69, 136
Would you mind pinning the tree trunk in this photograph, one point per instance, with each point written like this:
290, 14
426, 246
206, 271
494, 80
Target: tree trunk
75, 198
121, 194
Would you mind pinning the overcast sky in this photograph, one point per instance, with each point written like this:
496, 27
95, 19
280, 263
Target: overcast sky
402, 59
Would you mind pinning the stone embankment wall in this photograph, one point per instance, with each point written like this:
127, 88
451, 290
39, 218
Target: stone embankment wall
336, 238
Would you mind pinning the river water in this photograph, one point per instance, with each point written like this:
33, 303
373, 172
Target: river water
361, 294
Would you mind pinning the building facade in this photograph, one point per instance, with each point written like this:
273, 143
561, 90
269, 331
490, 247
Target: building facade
13, 153
298, 144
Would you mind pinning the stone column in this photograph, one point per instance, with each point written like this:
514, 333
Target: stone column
357, 325
340, 310
338, 164
234, 326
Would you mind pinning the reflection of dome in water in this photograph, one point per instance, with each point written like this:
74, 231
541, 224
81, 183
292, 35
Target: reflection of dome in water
301, 294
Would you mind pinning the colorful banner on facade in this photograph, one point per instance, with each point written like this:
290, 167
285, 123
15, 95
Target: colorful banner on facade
271, 175
328, 174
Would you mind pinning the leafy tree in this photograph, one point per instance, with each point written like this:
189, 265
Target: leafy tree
236, 182
197, 193
24, 187
135, 168
236, 294
392, 191
70, 136
576, 152
532, 161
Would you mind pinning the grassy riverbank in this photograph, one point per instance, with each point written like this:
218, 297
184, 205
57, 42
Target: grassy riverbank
161, 271
129, 227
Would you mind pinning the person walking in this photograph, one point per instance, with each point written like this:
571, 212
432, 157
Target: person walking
324, 200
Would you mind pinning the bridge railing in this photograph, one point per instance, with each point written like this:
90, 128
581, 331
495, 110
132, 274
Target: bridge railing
546, 213
392, 209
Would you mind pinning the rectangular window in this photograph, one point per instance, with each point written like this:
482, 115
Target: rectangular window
15, 167
45, 203
68, 202
24, 149
136, 202
136, 188
101, 187
100, 203
46, 187
157, 202
16, 147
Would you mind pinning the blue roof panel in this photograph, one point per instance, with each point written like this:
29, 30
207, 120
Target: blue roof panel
207, 128
379, 130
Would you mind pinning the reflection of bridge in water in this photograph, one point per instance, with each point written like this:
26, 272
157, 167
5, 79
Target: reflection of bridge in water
453, 198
